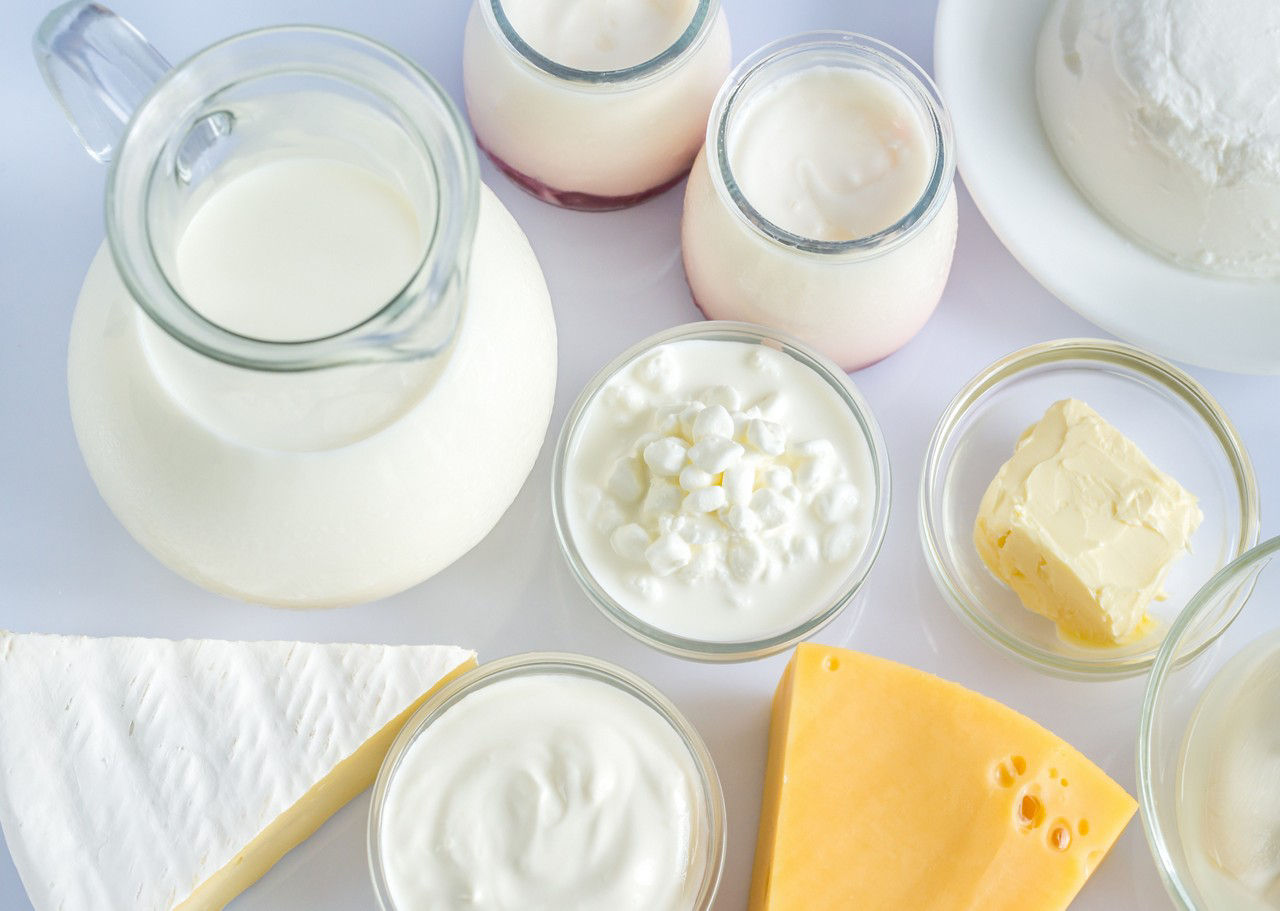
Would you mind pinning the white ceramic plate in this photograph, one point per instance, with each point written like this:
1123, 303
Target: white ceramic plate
984, 62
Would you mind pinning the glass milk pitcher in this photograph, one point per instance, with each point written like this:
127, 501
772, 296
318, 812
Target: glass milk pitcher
315, 361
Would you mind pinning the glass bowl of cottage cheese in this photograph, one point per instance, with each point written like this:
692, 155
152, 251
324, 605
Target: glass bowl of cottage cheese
721, 491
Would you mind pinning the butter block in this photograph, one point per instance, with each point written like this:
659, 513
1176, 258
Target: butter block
1082, 526
887, 789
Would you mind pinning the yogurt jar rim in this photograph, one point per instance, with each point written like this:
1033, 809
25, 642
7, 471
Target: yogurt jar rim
871, 55
1169, 658
1098, 354
703, 649
556, 663
629, 77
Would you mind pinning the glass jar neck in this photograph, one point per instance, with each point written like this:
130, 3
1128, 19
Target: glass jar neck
625, 78
297, 92
840, 50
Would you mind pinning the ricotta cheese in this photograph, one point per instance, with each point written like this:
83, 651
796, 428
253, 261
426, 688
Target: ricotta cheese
1165, 114
147, 775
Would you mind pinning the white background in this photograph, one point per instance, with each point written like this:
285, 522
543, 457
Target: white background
67, 566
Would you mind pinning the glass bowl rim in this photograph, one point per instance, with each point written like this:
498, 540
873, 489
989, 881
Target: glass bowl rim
1167, 660
863, 418
1094, 353
534, 663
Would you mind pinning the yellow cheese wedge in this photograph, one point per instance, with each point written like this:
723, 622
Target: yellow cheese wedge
889, 789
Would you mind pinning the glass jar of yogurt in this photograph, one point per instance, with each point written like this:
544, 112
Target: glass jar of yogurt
547, 781
597, 104
289, 368
822, 203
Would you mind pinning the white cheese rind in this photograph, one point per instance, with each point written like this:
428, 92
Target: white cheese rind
133, 770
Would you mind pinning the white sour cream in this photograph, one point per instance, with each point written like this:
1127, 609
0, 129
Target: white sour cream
831, 153
545, 792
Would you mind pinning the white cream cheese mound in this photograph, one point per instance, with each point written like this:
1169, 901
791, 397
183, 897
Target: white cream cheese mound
1167, 116
1230, 782
600, 35
831, 153
147, 775
720, 490
541, 793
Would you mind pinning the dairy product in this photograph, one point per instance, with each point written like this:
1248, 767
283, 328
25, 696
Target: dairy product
600, 35
1082, 526
316, 487
906, 791
831, 153
147, 774
298, 248
593, 140
1229, 783
719, 490
543, 791
1164, 114
822, 202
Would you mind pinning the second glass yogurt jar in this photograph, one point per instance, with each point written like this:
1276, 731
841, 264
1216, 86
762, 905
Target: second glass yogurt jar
587, 109
822, 204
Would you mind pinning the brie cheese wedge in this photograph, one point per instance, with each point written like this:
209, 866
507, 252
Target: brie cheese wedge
148, 775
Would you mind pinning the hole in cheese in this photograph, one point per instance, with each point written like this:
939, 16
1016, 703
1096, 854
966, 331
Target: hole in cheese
1083, 827
1020, 764
831, 663
1060, 836
1030, 811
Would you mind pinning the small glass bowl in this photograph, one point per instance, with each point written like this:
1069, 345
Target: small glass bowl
1182, 670
717, 650
556, 663
1175, 422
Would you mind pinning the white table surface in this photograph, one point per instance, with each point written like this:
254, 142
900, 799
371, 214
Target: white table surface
67, 566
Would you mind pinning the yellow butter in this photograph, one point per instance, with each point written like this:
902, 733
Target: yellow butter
1082, 526
889, 789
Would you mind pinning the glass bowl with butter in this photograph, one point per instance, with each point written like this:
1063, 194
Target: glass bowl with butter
721, 491
1207, 746
1077, 470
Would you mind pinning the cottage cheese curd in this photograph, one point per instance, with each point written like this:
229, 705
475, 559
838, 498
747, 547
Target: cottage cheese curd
822, 204
1164, 113
593, 103
720, 490
545, 791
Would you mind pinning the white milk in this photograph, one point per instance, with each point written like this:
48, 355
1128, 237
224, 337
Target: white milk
1229, 812
785, 522
600, 34
318, 487
545, 792
298, 249
831, 153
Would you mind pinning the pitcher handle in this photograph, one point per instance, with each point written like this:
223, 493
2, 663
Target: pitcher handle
99, 68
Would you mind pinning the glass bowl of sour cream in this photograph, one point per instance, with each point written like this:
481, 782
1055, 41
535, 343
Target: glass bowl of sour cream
547, 780
1208, 750
721, 491
1170, 417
